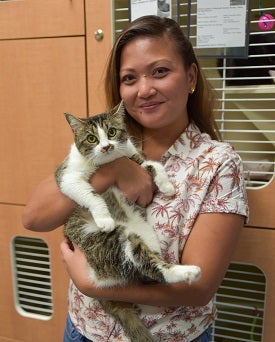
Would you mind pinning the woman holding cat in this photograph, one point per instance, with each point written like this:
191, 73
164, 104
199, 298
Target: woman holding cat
152, 67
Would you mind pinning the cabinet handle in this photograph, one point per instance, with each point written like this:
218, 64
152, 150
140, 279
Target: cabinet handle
99, 35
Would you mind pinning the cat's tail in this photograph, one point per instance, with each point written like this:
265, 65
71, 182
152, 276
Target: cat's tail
127, 316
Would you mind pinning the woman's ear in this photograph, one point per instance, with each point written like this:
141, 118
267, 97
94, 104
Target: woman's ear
192, 76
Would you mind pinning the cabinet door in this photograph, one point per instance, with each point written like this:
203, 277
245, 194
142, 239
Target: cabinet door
97, 51
14, 324
39, 18
40, 80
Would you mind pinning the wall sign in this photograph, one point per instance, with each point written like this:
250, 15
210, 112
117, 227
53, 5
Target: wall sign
139, 8
223, 24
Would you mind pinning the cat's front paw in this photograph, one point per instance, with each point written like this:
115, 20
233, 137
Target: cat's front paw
167, 188
106, 224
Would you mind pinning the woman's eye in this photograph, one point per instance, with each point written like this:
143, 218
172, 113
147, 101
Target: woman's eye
160, 72
91, 139
127, 79
111, 132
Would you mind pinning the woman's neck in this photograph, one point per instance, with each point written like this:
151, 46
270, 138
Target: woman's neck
155, 142
154, 146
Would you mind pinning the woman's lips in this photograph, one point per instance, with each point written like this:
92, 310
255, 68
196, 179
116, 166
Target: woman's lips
150, 105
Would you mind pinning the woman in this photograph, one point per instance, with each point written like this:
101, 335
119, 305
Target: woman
153, 68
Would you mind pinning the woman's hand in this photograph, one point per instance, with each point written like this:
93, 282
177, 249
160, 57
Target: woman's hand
79, 271
76, 264
132, 179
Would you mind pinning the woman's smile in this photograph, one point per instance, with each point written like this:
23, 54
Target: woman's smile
150, 106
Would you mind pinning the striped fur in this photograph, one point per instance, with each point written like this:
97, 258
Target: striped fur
119, 243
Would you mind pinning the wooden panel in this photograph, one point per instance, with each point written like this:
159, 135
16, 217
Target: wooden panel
13, 326
39, 18
40, 80
261, 205
97, 51
256, 247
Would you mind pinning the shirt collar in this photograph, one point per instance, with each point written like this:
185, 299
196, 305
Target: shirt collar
191, 138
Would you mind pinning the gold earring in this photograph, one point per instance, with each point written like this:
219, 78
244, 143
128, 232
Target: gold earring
192, 90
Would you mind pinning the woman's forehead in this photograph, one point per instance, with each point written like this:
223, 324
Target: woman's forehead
146, 48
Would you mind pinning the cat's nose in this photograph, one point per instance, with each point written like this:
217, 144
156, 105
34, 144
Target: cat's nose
107, 148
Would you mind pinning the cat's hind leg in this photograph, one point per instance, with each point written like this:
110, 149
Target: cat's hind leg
151, 265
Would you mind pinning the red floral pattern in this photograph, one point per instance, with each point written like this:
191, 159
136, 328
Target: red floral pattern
207, 176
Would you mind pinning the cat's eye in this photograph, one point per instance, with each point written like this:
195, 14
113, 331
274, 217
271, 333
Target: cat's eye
111, 132
91, 139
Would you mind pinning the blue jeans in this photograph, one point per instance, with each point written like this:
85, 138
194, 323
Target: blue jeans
206, 336
72, 335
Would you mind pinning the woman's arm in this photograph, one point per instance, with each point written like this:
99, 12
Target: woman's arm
48, 208
210, 246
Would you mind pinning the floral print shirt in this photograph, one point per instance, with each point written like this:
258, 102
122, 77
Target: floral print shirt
207, 176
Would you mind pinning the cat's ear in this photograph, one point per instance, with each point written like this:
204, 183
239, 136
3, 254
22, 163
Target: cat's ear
119, 109
74, 122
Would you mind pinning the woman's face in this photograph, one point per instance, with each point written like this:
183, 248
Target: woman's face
154, 84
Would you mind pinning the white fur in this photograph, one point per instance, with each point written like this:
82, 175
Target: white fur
75, 181
104, 282
136, 224
125, 149
75, 184
161, 178
90, 227
178, 273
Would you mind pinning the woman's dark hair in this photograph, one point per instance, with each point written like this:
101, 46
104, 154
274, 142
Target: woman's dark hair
200, 104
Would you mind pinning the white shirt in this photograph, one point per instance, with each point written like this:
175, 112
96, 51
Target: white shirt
208, 177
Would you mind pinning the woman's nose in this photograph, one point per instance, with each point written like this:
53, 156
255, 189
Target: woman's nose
146, 87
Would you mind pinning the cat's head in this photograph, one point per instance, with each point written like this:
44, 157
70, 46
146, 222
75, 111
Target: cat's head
102, 137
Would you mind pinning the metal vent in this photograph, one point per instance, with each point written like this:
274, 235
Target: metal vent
246, 110
32, 277
240, 301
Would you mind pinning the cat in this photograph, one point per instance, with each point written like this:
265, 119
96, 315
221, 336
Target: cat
251, 69
119, 244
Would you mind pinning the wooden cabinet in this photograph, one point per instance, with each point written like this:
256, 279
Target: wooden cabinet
39, 18
97, 51
40, 80
50, 63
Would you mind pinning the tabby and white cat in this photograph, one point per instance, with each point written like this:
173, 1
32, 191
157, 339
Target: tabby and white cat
119, 244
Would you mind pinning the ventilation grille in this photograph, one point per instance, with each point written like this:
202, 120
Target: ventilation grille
32, 277
240, 301
245, 113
